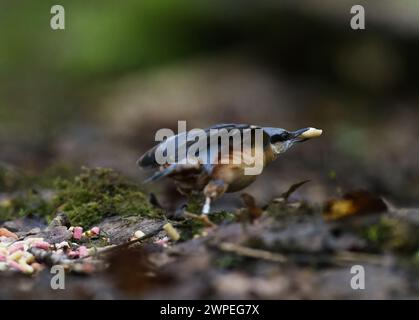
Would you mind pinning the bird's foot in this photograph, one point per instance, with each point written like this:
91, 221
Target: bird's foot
207, 206
201, 218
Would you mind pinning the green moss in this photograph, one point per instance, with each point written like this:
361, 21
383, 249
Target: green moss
86, 198
47, 179
26, 203
190, 228
222, 216
392, 234
98, 193
195, 203
28, 194
9, 178
228, 261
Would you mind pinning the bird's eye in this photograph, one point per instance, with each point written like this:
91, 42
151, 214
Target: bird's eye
284, 136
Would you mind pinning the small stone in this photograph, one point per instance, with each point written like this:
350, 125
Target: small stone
56, 234
61, 219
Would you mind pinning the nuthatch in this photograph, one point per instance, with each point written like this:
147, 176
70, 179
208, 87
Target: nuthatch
214, 178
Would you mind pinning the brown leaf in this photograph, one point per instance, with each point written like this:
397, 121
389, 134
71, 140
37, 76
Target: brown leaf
252, 211
355, 202
6, 233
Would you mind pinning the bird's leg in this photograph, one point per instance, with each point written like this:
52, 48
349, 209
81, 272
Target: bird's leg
213, 190
207, 205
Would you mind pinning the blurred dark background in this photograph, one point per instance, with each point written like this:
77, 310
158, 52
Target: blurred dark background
95, 93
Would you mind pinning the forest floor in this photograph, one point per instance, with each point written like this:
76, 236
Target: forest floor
130, 247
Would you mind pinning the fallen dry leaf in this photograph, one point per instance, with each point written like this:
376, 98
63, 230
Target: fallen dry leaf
252, 211
355, 202
6, 233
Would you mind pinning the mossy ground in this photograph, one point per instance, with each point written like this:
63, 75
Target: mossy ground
392, 234
98, 193
86, 198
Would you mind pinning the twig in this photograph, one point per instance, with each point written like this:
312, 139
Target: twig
252, 253
292, 189
201, 218
357, 257
126, 244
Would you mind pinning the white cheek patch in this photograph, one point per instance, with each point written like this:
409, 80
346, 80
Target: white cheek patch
276, 148
311, 133
281, 147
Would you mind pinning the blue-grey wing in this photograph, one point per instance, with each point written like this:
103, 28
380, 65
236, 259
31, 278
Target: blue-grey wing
203, 146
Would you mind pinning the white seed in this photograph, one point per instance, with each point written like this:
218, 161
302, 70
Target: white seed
139, 234
3, 266
312, 133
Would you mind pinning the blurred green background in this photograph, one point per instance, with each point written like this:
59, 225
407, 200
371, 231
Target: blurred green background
95, 93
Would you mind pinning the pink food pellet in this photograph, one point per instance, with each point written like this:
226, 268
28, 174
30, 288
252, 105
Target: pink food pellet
15, 247
162, 242
77, 233
41, 245
73, 254
13, 264
95, 230
83, 251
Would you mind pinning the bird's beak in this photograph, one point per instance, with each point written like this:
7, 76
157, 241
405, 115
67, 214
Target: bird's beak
304, 134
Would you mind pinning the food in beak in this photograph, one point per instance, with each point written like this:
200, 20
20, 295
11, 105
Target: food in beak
311, 133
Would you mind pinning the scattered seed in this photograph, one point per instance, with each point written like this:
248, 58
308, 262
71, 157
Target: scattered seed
139, 234
171, 232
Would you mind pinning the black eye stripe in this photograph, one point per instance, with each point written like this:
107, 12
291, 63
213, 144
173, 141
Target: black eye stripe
284, 136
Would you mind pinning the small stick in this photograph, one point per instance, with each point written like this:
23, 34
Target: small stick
126, 244
252, 253
202, 218
353, 257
